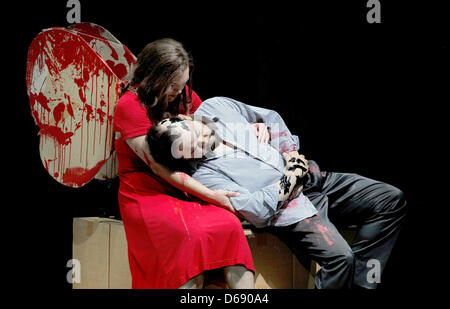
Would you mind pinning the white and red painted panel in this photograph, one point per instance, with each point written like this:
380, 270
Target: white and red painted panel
118, 57
73, 92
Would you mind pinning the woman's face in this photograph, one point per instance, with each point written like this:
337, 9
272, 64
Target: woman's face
196, 139
178, 85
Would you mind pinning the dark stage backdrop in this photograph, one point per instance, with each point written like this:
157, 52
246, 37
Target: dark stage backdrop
363, 98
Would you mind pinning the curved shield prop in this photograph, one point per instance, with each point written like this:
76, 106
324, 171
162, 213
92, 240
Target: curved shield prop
116, 55
73, 91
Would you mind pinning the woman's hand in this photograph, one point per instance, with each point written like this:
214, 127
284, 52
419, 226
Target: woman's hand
262, 132
185, 117
221, 198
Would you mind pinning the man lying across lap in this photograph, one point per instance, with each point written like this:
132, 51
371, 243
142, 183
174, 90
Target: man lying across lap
219, 149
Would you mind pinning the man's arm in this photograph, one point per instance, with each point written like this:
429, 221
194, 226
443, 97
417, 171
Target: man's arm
280, 136
261, 205
257, 207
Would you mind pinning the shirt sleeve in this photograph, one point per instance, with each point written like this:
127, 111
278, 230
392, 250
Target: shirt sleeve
257, 207
280, 136
130, 117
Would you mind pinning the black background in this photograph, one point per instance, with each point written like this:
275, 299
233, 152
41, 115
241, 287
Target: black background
363, 98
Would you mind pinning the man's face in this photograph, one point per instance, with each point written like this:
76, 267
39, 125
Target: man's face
195, 138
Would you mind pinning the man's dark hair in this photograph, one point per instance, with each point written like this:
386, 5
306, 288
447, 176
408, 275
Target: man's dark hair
160, 144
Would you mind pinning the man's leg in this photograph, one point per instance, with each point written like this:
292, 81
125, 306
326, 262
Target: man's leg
378, 209
318, 239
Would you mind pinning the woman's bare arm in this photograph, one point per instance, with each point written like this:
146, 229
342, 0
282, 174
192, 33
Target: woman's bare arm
180, 180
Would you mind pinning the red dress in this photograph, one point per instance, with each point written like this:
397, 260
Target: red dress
170, 239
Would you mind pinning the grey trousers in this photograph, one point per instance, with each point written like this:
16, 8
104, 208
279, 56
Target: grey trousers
377, 209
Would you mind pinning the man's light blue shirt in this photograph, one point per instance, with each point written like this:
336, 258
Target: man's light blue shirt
252, 168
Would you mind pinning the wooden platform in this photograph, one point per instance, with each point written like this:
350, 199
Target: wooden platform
100, 246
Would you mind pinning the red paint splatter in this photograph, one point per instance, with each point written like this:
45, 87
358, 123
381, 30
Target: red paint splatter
324, 230
283, 148
287, 147
90, 33
41, 99
284, 145
119, 69
179, 212
79, 82
69, 106
183, 177
274, 135
58, 112
113, 50
147, 159
78, 176
62, 138
129, 56
82, 95
291, 204
89, 112
101, 114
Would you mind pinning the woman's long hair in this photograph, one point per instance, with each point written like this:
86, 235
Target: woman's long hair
157, 66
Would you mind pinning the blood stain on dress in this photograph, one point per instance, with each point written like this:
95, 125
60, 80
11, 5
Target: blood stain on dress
179, 212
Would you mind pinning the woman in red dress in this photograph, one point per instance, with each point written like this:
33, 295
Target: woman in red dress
172, 238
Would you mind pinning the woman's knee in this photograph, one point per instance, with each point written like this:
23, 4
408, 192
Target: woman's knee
194, 283
239, 277
234, 225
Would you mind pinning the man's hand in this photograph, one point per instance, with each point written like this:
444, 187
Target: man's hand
262, 132
294, 160
299, 162
296, 168
296, 192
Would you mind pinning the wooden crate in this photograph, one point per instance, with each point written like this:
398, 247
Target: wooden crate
101, 247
